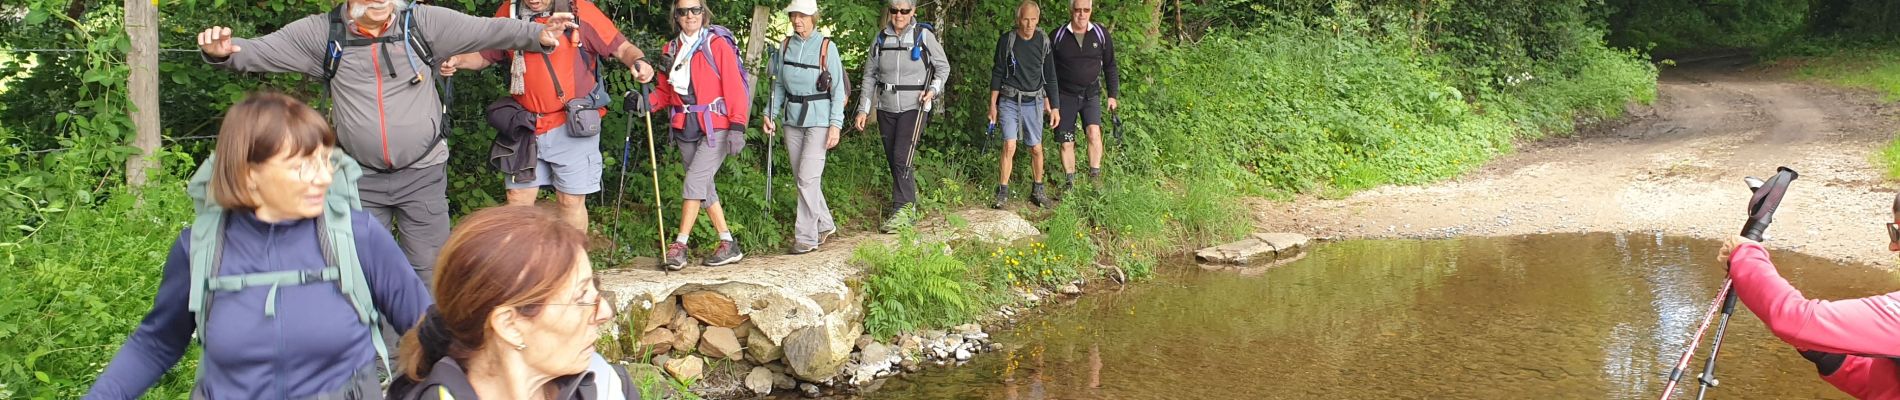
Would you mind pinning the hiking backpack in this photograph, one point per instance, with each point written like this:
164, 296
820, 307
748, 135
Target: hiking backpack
1010, 46
916, 49
336, 237
419, 48
672, 51
824, 71
824, 76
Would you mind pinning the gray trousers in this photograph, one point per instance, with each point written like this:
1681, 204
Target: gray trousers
807, 149
414, 204
703, 159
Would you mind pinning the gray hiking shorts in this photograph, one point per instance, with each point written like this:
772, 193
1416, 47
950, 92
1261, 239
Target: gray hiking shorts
570, 164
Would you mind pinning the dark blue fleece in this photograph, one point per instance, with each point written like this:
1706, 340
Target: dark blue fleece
313, 345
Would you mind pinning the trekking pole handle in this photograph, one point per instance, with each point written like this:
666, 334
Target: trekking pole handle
1765, 200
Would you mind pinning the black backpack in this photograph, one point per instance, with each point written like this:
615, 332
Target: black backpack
418, 46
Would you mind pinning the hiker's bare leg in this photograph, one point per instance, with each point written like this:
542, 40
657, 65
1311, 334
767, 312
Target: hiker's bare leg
1009, 160
523, 197
573, 209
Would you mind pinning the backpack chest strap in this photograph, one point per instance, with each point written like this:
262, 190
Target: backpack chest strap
233, 283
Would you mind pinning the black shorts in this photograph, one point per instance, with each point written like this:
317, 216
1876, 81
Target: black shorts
1076, 107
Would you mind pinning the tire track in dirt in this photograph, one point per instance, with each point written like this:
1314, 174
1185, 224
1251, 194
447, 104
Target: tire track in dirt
1674, 167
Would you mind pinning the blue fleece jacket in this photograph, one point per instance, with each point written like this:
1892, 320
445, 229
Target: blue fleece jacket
313, 345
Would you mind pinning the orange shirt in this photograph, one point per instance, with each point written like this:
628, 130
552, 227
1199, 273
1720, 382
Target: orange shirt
572, 64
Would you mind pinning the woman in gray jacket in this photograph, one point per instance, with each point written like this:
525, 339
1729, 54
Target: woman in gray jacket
808, 97
905, 71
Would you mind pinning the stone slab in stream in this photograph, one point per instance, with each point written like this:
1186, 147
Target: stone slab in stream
1259, 247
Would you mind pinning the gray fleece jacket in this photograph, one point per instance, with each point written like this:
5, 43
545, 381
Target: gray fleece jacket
382, 119
890, 64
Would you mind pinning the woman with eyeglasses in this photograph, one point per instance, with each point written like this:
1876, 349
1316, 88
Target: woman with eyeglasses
260, 286
702, 88
516, 316
1850, 341
906, 69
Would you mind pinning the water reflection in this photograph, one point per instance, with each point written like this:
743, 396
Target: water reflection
1564, 316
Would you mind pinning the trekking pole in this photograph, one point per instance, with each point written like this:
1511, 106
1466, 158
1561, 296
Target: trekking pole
1765, 198
626, 146
989, 137
653, 161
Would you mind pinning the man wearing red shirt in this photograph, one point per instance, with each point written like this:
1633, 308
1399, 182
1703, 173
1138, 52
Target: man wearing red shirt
550, 85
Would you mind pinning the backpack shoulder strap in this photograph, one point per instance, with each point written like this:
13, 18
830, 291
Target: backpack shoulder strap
338, 239
207, 234
822, 54
333, 51
417, 42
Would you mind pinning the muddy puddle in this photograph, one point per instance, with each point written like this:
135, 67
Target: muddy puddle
1587, 316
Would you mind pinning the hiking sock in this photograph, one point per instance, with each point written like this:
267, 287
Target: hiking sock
725, 236
681, 238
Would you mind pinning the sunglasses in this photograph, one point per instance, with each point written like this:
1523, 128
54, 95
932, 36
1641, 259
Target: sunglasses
900, 11
695, 11
1081, 10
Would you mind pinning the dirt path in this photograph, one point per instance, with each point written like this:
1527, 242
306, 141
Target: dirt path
1676, 168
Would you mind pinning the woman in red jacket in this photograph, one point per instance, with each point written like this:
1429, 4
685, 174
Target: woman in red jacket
1851, 342
703, 89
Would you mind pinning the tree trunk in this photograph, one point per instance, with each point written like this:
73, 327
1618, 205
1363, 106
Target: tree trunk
755, 43
141, 26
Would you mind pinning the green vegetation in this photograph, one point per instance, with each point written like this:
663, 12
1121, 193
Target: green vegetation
76, 285
1867, 67
1221, 100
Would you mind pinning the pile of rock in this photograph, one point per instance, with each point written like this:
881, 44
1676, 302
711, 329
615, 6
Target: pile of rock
684, 333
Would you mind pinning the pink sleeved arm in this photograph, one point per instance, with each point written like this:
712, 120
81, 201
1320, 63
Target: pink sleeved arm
1864, 326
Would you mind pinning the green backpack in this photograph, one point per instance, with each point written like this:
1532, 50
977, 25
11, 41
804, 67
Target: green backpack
338, 242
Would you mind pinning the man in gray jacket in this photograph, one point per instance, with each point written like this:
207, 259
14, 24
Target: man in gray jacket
906, 70
385, 105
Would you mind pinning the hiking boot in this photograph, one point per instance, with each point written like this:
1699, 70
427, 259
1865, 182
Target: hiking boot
903, 218
727, 253
1069, 183
801, 248
1002, 195
1095, 173
1036, 196
675, 256
825, 236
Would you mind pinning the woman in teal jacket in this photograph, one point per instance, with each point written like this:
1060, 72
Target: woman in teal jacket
808, 97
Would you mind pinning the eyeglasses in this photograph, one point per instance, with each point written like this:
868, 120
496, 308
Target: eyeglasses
900, 11
693, 11
593, 307
1081, 10
309, 169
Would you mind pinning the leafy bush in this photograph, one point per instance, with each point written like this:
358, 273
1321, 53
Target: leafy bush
77, 287
913, 285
